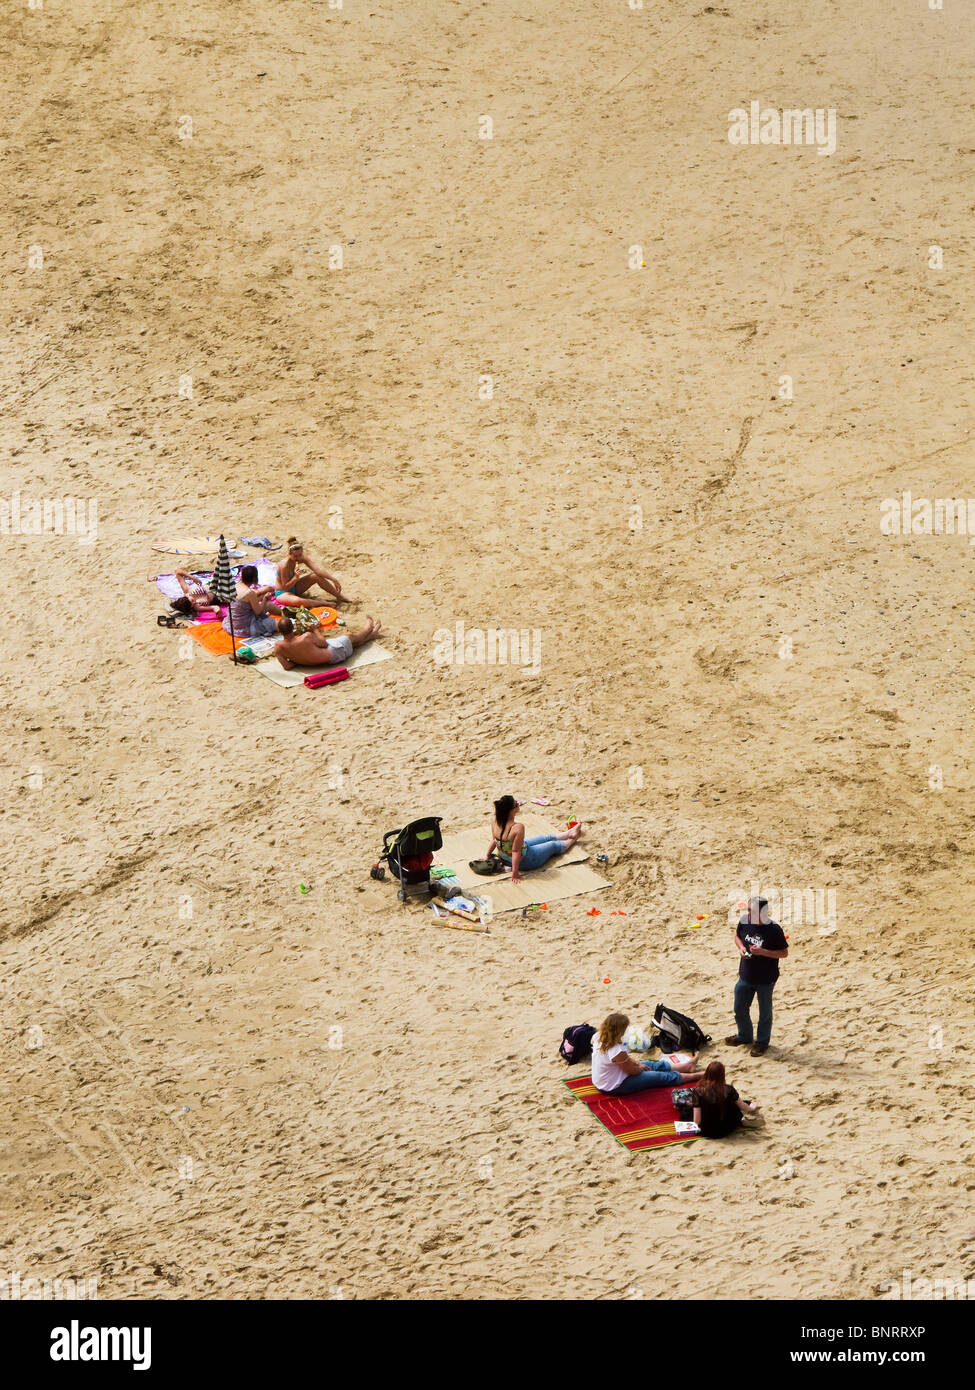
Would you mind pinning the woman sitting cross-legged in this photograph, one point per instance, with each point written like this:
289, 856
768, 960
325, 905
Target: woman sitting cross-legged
509, 836
718, 1108
615, 1072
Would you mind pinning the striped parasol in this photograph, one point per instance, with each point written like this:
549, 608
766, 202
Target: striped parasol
224, 587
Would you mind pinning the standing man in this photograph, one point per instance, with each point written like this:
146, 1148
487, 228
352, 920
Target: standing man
761, 945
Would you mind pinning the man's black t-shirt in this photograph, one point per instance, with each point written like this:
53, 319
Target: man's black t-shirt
760, 970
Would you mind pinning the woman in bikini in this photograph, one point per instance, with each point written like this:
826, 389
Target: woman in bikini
291, 585
195, 596
508, 835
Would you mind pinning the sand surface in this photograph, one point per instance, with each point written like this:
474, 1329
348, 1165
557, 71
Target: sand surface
214, 1085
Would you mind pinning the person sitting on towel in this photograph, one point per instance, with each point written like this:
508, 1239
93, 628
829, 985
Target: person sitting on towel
253, 611
194, 597
291, 585
718, 1108
508, 835
616, 1073
315, 649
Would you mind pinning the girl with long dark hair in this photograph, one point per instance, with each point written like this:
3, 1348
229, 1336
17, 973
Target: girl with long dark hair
718, 1108
508, 834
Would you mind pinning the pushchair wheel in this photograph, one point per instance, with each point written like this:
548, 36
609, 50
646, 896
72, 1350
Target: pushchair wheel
377, 871
401, 895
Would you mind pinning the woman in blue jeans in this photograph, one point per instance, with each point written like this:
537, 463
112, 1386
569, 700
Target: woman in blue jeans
615, 1072
509, 836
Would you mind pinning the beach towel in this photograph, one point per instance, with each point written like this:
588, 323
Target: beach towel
565, 877
217, 642
212, 638
330, 677
168, 584
645, 1120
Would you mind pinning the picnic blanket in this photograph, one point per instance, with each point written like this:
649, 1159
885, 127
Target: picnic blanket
218, 643
362, 656
565, 877
641, 1121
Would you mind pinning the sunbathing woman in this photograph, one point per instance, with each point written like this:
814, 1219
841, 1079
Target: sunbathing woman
291, 585
616, 1073
509, 836
194, 597
315, 649
253, 610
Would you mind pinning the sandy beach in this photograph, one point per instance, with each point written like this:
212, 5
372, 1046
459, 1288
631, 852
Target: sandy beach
481, 301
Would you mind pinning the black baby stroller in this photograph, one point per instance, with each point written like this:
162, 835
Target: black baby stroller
409, 854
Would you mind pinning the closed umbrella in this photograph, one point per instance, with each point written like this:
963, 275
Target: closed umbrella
224, 588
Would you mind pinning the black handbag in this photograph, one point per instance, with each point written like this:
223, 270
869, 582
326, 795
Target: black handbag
487, 867
494, 864
683, 1098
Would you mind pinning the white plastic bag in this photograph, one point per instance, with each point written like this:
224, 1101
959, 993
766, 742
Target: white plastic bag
636, 1040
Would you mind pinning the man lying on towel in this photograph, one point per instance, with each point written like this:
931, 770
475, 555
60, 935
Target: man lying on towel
315, 649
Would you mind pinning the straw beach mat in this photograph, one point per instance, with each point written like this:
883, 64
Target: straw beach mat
568, 876
361, 656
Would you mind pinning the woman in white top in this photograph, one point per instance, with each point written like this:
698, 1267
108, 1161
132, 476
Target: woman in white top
615, 1072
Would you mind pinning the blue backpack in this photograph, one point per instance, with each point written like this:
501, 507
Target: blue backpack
576, 1045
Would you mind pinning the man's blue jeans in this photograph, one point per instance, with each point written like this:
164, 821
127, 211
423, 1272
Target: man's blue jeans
744, 994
